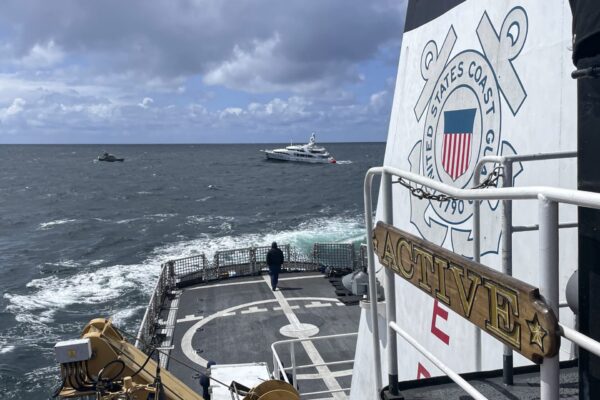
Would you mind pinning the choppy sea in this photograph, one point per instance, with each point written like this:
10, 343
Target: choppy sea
81, 239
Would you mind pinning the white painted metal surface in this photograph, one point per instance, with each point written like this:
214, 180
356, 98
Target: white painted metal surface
580, 339
548, 268
249, 375
548, 199
525, 103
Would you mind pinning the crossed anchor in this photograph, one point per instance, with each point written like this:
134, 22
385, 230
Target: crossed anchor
499, 50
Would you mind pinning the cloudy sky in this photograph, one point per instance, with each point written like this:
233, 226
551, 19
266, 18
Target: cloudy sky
193, 71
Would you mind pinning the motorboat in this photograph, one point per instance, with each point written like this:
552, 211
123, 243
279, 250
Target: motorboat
109, 158
309, 152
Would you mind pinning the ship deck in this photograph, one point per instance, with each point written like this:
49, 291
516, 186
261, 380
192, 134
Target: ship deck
236, 320
526, 385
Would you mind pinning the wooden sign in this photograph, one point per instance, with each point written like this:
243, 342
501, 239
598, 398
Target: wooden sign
508, 309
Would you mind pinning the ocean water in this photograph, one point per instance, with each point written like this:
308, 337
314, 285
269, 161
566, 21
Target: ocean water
81, 239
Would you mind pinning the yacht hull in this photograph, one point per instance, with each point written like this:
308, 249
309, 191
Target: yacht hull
288, 157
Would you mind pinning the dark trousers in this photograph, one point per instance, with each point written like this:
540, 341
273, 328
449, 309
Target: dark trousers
274, 271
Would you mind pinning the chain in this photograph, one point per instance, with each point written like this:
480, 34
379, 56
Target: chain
490, 181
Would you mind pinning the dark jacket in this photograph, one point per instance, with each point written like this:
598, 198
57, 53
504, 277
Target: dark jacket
275, 257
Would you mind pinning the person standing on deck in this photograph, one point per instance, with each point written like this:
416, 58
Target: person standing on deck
274, 261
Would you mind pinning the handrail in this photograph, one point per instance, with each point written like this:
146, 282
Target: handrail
569, 196
278, 368
142, 340
506, 163
320, 364
326, 391
580, 339
445, 369
548, 199
524, 157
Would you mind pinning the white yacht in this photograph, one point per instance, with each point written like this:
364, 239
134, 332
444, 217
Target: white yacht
309, 152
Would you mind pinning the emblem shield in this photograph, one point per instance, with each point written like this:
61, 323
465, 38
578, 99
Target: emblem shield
456, 146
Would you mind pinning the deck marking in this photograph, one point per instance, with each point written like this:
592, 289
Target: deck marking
291, 307
253, 310
189, 318
317, 304
309, 347
293, 278
186, 340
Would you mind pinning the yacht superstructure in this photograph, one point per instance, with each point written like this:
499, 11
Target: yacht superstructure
310, 153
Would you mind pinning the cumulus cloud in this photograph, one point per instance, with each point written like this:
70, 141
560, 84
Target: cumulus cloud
261, 45
42, 56
91, 71
380, 100
146, 102
15, 108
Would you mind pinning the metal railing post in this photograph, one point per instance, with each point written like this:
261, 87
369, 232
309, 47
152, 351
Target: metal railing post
293, 359
507, 180
252, 254
390, 290
275, 367
476, 256
548, 248
372, 283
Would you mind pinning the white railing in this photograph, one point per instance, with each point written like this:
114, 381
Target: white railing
445, 369
280, 371
580, 339
548, 199
506, 164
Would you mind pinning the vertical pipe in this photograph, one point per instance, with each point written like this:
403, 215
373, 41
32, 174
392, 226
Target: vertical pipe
275, 367
548, 248
372, 283
293, 356
507, 359
476, 258
390, 290
588, 178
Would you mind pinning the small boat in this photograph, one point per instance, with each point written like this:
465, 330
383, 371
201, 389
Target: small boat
310, 153
109, 158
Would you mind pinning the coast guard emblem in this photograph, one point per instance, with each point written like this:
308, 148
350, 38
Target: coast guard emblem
456, 146
460, 107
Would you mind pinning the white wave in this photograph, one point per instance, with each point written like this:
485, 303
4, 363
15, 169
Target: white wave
64, 263
343, 162
162, 215
6, 349
323, 230
120, 317
152, 217
202, 219
127, 220
48, 225
92, 284
203, 199
50, 294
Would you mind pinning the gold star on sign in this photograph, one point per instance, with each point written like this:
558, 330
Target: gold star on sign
537, 332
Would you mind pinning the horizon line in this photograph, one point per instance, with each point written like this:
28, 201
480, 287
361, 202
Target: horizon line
177, 143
